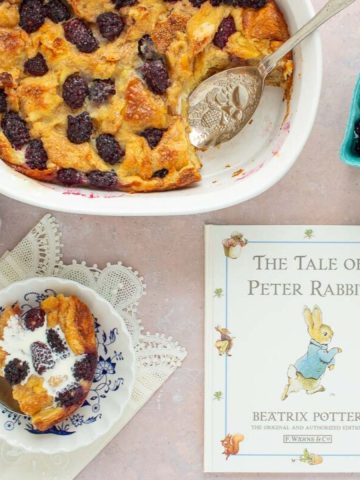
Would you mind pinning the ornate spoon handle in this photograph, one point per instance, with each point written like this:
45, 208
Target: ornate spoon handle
328, 11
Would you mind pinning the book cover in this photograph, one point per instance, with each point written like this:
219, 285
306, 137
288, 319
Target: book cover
282, 349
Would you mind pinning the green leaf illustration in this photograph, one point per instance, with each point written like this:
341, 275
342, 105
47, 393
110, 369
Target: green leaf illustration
218, 396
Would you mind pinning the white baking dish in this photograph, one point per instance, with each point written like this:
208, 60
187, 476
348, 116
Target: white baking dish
241, 169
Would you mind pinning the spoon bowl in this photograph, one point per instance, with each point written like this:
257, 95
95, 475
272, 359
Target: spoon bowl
6, 398
223, 104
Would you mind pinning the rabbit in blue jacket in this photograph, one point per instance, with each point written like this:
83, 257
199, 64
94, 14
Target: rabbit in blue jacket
307, 372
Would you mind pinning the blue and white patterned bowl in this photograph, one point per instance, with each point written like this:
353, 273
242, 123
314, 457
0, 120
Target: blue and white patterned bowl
113, 381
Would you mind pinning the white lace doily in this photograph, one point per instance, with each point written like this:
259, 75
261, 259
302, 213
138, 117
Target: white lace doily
39, 254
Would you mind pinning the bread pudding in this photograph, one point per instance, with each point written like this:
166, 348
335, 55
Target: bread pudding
48, 355
94, 92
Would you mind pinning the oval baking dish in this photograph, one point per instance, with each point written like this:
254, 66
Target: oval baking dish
236, 171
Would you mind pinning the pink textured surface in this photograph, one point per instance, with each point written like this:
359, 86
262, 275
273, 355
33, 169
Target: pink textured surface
165, 440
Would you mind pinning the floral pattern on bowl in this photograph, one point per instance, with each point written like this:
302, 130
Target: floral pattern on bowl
112, 379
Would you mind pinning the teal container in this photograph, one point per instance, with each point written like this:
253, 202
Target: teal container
346, 152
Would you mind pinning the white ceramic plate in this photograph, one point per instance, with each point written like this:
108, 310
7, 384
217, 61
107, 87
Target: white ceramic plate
114, 376
263, 152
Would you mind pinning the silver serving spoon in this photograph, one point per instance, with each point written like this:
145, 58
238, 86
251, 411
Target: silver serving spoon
6, 398
223, 104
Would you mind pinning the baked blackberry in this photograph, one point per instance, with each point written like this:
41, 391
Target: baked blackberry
109, 148
3, 102
56, 343
226, 29
110, 25
34, 318
71, 396
36, 66
32, 15
84, 369
35, 155
15, 129
197, 3
16, 371
57, 11
256, 4
42, 357
101, 90
79, 128
147, 49
153, 136
75, 90
69, 177
156, 76
161, 173
79, 33
124, 3
99, 179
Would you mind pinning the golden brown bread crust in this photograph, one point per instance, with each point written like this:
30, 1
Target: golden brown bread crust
77, 324
74, 319
182, 33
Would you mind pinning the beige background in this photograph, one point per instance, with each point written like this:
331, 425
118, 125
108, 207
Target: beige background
165, 440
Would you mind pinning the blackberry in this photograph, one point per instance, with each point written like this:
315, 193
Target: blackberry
110, 25
226, 29
147, 49
56, 343
101, 179
16, 371
124, 3
57, 11
197, 3
34, 318
36, 66
79, 33
71, 396
256, 4
35, 155
109, 149
356, 128
356, 147
75, 91
156, 76
153, 136
42, 357
3, 103
84, 369
161, 173
101, 90
79, 128
32, 15
69, 176
15, 130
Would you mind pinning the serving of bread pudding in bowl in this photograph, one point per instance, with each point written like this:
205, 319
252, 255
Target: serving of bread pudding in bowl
94, 93
67, 365
48, 355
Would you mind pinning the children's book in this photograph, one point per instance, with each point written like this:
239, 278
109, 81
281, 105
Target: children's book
282, 349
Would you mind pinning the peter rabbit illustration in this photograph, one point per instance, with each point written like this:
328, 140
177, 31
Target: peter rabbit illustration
226, 342
307, 372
